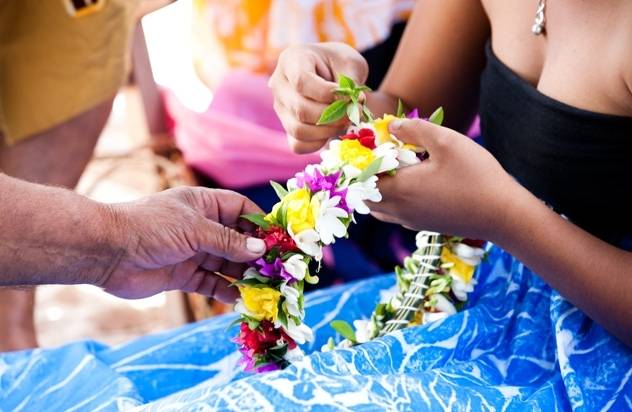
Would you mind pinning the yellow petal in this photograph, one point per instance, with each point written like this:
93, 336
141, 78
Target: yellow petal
459, 268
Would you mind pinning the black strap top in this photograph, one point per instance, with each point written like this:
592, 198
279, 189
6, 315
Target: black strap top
577, 161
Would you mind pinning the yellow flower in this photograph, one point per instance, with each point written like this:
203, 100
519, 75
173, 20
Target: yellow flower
263, 303
352, 152
301, 210
381, 128
459, 268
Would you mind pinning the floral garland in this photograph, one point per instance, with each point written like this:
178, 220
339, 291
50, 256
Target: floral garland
433, 283
315, 208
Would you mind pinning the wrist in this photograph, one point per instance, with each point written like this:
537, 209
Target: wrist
510, 219
111, 225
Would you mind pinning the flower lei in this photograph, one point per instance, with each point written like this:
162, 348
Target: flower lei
315, 208
433, 283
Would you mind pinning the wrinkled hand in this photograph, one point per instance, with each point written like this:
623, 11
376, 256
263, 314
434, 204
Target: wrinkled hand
178, 240
461, 189
303, 84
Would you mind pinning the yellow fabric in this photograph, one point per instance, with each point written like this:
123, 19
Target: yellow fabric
54, 66
250, 34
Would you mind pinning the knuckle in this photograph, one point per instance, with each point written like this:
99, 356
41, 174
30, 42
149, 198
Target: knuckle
302, 114
442, 140
300, 83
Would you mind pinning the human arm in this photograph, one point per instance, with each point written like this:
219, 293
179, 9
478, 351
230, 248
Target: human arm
176, 239
438, 63
468, 193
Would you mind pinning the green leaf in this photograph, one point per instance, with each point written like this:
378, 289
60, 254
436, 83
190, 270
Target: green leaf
401, 112
363, 88
334, 112
258, 219
281, 315
346, 82
437, 117
371, 170
281, 215
280, 190
353, 112
344, 91
344, 328
234, 323
367, 113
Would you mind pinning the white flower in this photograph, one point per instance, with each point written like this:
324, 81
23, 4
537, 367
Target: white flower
468, 254
292, 185
443, 304
296, 267
388, 153
241, 308
331, 157
345, 343
395, 303
308, 241
358, 192
460, 288
294, 355
422, 238
364, 330
299, 333
407, 157
350, 172
251, 273
291, 296
328, 223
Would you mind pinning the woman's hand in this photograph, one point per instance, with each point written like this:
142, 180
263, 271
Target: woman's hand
461, 189
178, 240
303, 84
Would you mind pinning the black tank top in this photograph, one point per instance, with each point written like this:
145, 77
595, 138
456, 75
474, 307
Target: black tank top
577, 161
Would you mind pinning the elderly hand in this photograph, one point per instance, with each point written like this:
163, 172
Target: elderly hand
461, 189
303, 84
178, 240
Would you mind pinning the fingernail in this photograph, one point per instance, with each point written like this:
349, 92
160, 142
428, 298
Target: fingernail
255, 245
395, 125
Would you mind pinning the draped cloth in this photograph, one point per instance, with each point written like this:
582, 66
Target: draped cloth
517, 346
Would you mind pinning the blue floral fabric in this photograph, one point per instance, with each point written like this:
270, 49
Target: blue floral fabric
518, 346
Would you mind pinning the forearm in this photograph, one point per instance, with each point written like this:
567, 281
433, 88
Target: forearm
592, 274
52, 235
438, 62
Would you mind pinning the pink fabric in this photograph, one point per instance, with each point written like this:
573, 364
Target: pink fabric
238, 141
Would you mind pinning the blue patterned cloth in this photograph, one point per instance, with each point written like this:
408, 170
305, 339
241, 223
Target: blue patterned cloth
519, 346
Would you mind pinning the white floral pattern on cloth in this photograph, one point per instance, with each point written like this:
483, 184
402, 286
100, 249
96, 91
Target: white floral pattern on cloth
519, 346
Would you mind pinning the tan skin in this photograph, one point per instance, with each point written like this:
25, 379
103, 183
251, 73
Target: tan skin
56, 157
585, 60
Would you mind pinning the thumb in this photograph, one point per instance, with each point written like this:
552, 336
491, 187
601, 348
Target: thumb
418, 132
222, 241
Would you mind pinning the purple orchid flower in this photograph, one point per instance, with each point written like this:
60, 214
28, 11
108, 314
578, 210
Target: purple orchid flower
274, 270
317, 182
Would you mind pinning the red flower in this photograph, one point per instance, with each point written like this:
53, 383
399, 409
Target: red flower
474, 242
261, 339
365, 136
276, 236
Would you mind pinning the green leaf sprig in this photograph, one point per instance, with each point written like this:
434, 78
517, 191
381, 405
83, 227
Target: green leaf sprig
348, 103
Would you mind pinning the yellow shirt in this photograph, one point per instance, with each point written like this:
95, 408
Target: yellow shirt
58, 60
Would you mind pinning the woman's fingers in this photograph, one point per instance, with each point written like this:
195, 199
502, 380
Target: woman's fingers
422, 134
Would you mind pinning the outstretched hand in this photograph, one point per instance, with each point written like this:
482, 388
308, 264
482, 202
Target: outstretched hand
178, 240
